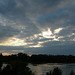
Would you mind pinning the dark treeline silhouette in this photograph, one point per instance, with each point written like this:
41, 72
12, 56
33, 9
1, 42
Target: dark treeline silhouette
52, 59
39, 58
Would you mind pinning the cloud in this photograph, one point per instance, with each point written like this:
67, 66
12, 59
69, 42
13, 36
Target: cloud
67, 31
36, 23
7, 32
57, 30
66, 48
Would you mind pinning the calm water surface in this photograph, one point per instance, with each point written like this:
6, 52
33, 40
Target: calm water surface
41, 69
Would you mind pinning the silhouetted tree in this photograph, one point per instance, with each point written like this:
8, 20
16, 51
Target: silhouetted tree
6, 71
1, 54
16, 67
72, 73
0, 64
20, 68
23, 56
56, 71
49, 73
1, 60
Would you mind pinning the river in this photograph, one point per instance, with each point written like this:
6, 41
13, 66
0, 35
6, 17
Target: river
41, 69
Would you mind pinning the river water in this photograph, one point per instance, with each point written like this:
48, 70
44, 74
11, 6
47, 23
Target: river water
41, 69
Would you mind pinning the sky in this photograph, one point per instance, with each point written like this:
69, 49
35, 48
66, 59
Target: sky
37, 27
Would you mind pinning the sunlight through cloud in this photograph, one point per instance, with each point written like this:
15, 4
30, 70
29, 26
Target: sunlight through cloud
35, 46
47, 33
57, 30
14, 42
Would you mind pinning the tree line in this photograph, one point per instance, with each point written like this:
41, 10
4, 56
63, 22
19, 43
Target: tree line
41, 58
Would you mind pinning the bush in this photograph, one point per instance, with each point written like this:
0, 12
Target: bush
72, 73
56, 71
16, 68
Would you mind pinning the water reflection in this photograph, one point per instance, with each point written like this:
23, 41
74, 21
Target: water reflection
3, 66
41, 69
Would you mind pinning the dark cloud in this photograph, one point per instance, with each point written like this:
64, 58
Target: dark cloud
68, 31
66, 48
20, 8
12, 8
9, 48
7, 32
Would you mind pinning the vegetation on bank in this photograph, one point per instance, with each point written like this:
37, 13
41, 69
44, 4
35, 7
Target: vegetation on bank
58, 71
39, 58
16, 67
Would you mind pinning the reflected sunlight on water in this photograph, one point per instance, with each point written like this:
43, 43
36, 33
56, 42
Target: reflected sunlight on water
41, 69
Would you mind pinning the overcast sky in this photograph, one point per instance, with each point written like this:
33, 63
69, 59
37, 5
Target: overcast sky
37, 26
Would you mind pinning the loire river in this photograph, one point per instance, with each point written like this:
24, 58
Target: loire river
41, 69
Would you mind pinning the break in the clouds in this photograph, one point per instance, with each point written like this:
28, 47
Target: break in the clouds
37, 26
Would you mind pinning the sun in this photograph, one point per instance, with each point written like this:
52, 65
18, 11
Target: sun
47, 33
